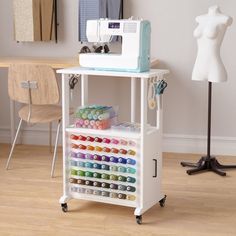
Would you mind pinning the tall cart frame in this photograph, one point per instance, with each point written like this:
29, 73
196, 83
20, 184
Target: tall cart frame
149, 139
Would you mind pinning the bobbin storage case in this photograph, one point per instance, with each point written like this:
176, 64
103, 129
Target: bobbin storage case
113, 166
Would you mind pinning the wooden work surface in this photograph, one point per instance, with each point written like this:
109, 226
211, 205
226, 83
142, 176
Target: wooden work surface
200, 205
55, 63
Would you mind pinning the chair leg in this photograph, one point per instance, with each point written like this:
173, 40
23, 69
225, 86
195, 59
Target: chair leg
50, 137
55, 149
13, 144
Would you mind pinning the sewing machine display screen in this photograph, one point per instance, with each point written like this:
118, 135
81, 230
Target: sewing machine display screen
114, 25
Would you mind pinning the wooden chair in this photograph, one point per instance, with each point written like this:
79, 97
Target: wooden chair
36, 87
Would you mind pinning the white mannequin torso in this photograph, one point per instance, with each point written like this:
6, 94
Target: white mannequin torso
210, 34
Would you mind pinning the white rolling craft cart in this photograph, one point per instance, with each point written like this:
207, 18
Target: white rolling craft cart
134, 181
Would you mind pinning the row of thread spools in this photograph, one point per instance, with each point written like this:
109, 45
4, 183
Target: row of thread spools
104, 158
115, 141
90, 174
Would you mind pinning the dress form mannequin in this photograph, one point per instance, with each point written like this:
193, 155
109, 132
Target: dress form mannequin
209, 66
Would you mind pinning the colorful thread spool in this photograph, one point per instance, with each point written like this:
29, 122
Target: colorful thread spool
130, 197
82, 138
73, 154
106, 140
98, 140
89, 174
97, 192
113, 195
73, 137
97, 175
131, 161
115, 150
81, 164
82, 147
81, 190
122, 169
130, 179
131, 189
90, 139
115, 141
105, 176
122, 178
89, 183
73, 181
89, 156
81, 181
123, 151
97, 166
114, 177
131, 153
81, 173
74, 146
97, 184
87, 122
105, 185
73, 163
122, 160
113, 168
89, 191
98, 149
123, 142
121, 196
81, 155
105, 194
90, 116
113, 186
73, 189
106, 149
114, 159
97, 157
90, 148
73, 172
105, 167
122, 187
84, 116
131, 170
92, 122
89, 165
132, 143
105, 158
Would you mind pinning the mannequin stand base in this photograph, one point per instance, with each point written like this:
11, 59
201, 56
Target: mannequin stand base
207, 164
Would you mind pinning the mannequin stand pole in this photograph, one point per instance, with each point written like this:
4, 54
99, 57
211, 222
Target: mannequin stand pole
208, 163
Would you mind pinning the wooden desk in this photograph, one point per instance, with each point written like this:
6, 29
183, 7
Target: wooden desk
55, 63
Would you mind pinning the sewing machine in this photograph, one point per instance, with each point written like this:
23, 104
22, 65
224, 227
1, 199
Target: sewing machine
135, 55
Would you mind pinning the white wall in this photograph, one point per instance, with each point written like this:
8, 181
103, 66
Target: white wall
173, 22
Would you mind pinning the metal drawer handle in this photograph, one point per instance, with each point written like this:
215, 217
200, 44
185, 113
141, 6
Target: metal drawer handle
155, 162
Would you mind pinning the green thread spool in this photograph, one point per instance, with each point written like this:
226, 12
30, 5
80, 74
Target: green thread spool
105, 185
122, 178
131, 189
114, 177
105, 176
131, 179
131, 170
122, 169
97, 175
81, 173
88, 174
73, 172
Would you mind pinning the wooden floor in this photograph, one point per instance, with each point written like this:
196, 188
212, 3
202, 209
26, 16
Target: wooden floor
196, 205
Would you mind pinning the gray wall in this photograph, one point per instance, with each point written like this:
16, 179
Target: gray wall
173, 22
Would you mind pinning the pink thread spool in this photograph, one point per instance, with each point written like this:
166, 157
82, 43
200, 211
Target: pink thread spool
123, 142
106, 140
132, 143
86, 122
81, 121
92, 122
115, 141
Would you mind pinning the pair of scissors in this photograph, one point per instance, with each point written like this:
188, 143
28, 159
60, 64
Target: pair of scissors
160, 88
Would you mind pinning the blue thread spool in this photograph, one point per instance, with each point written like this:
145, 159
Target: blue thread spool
131, 170
73, 163
122, 169
105, 167
81, 164
89, 165
122, 160
114, 159
105, 158
97, 166
90, 116
131, 161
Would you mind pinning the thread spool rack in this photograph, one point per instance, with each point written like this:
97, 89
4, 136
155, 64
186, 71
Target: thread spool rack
124, 172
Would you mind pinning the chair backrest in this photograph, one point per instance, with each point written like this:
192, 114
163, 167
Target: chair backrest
43, 87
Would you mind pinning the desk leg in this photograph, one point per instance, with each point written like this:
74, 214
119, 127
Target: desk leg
84, 90
133, 99
12, 118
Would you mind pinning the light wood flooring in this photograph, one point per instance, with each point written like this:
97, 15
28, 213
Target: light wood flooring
198, 205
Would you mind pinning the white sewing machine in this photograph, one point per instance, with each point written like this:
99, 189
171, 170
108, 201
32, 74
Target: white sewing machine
135, 56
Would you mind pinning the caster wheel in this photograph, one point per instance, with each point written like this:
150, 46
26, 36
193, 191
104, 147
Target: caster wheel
139, 219
64, 207
162, 201
188, 172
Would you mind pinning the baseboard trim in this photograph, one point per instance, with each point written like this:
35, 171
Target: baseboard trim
171, 142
